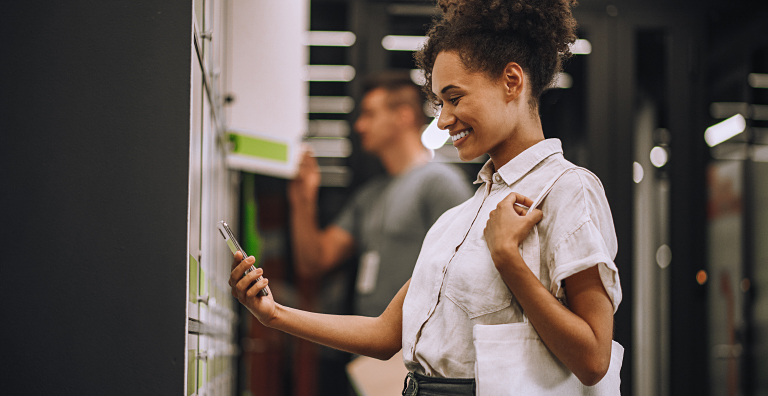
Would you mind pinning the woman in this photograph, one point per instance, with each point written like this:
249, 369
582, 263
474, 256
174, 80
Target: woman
487, 63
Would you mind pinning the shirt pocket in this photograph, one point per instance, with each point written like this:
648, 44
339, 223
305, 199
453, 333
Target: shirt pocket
473, 283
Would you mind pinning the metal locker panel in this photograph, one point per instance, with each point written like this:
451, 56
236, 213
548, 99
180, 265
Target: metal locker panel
209, 239
195, 182
191, 364
203, 366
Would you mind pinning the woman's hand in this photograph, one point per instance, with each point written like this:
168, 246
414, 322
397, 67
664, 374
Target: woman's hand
508, 226
247, 292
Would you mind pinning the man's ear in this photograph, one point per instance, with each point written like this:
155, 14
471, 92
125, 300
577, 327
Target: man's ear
405, 115
514, 80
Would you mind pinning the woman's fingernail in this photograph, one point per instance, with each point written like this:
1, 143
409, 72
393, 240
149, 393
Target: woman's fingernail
250, 260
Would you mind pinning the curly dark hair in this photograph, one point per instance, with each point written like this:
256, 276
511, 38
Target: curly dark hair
488, 34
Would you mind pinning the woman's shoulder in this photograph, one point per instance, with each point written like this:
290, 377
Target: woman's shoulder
576, 197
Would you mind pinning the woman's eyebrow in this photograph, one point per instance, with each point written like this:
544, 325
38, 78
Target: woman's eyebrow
447, 87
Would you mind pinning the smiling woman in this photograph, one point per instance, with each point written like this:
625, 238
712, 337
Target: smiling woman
509, 294
487, 64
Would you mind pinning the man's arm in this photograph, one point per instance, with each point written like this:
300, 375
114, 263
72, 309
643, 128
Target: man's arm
315, 251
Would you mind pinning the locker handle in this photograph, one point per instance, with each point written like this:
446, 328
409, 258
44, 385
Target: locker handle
203, 299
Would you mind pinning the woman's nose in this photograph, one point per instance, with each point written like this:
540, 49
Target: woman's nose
445, 119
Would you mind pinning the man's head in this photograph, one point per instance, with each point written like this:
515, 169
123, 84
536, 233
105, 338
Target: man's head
392, 106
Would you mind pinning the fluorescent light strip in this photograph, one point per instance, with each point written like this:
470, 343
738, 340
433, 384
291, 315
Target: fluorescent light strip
417, 76
434, 137
563, 80
331, 104
758, 80
328, 73
403, 43
581, 47
330, 147
725, 130
328, 128
319, 38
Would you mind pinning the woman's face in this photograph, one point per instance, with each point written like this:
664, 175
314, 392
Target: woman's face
474, 107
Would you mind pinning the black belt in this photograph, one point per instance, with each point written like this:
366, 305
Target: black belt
421, 385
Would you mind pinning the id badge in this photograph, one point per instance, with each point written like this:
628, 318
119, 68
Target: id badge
367, 272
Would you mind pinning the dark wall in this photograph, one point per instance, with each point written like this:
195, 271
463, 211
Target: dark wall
94, 148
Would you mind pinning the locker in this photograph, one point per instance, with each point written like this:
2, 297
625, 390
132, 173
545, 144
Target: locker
191, 365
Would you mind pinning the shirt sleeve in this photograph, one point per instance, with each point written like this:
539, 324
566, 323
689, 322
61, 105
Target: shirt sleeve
590, 240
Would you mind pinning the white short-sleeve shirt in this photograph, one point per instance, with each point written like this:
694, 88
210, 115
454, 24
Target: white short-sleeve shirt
455, 284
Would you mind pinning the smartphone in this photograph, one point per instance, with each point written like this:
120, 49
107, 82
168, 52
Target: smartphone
229, 238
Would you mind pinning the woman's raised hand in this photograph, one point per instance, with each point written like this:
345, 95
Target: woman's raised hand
246, 289
509, 225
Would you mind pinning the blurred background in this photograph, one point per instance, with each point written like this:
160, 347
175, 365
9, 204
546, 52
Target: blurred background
129, 128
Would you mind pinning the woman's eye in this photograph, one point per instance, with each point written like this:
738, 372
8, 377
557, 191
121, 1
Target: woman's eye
454, 100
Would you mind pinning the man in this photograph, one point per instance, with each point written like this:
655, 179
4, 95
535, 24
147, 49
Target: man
387, 218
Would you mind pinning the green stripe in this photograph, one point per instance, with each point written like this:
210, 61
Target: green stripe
249, 220
192, 279
259, 148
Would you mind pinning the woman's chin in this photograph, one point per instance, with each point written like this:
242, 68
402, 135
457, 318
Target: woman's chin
467, 155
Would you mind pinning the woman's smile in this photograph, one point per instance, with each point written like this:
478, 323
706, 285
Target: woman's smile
460, 137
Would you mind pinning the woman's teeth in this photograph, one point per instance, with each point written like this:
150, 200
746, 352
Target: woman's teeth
460, 135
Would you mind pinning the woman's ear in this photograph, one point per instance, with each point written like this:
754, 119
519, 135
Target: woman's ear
514, 81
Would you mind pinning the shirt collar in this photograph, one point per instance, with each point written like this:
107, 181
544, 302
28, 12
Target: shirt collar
519, 166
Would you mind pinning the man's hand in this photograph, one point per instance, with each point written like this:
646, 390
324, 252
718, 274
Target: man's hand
302, 190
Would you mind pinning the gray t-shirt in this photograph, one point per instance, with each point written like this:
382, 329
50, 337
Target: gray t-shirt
390, 215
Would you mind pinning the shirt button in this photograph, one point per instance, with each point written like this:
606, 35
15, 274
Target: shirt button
497, 178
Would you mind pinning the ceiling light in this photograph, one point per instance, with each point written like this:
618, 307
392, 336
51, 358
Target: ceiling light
434, 137
329, 39
329, 73
758, 80
659, 156
403, 43
581, 47
563, 80
637, 172
725, 130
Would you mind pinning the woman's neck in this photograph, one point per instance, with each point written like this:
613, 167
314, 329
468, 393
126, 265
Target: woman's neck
522, 138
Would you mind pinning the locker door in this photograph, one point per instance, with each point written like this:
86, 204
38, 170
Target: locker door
191, 364
195, 183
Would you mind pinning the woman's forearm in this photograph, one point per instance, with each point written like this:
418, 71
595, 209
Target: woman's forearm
582, 343
379, 337
368, 336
